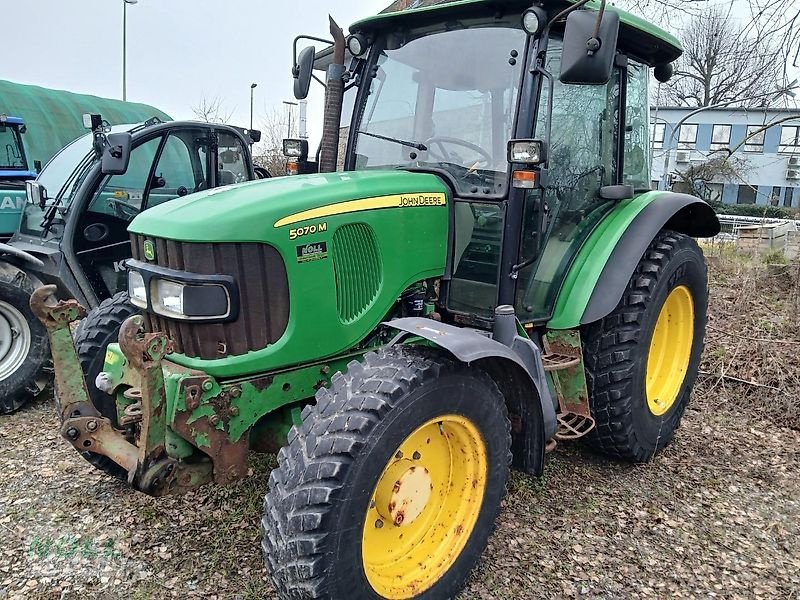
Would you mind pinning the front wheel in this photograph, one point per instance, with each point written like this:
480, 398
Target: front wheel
391, 485
92, 337
642, 359
24, 345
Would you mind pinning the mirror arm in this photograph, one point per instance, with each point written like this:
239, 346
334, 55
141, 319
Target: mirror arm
305, 37
318, 80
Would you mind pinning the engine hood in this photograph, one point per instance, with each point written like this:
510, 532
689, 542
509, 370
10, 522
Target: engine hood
250, 212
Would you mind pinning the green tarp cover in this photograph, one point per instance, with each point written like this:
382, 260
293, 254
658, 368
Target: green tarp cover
55, 117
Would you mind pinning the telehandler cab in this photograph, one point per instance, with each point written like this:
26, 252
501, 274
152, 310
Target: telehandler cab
488, 275
73, 229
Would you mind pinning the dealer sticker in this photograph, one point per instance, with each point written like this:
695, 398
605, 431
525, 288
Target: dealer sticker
312, 251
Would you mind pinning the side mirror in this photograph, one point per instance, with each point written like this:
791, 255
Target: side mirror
117, 154
37, 194
255, 135
295, 149
37, 166
588, 59
302, 72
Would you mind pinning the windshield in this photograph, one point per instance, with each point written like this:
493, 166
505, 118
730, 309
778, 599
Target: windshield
61, 178
445, 100
12, 158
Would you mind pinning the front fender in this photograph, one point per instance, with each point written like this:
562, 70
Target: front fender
518, 372
604, 265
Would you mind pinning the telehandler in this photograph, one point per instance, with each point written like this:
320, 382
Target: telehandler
73, 230
488, 275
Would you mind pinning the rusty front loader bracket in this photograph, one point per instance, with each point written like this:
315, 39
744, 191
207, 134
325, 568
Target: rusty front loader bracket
57, 315
144, 352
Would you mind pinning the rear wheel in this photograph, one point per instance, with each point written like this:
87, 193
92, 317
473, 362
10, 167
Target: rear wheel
24, 345
391, 486
642, 359
92, 337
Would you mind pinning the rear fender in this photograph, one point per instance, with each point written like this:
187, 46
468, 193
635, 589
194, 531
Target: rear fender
518, 372
604, 265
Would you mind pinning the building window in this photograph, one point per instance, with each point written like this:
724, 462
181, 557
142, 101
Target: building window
687, 138
714, 192
754, 141
658, 135
747, 195
775, 198
720, 137
790, 139
788, 197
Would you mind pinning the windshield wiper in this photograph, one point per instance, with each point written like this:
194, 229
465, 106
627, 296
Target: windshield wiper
415, 145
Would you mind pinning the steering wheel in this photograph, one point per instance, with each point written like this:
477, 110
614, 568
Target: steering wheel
124, 210
440, 141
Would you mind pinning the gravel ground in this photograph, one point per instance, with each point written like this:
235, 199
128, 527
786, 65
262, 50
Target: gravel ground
715, 515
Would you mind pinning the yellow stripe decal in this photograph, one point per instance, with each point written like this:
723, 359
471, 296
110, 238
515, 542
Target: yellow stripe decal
351, 206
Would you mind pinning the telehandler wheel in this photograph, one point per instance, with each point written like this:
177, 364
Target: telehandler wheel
642, 359
391, 485
92, 337
24, 345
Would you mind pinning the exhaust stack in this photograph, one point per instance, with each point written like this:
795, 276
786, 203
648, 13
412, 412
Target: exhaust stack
334, 96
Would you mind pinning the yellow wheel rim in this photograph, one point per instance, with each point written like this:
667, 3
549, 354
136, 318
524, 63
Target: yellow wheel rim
670, 350
424, 507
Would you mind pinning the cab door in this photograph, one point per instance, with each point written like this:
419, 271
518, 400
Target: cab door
583, 157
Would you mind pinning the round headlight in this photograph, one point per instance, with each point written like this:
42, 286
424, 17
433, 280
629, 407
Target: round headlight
357, 44
531, 21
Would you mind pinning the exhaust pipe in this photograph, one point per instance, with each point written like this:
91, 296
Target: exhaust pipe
334, 96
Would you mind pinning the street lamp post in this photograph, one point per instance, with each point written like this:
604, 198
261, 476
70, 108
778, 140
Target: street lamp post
125, 47
289, 106
253, 86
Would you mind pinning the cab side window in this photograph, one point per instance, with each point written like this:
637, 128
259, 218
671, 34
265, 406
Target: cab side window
232, 163
636, 171
182, 168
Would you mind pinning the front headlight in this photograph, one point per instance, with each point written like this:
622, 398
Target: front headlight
137, 291
181, 295
186, 301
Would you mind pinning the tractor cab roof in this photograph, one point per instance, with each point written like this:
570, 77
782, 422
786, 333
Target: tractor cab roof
637, 37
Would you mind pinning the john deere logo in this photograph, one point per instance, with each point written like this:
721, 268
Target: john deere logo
149, 250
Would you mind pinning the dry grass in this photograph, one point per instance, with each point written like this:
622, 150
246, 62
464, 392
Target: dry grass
752, 356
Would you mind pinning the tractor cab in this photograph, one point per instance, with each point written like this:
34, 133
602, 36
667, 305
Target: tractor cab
13, 160
15, 170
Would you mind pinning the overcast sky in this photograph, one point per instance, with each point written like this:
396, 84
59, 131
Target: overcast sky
179, 51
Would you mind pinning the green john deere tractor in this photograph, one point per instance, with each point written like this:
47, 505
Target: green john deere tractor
488, 275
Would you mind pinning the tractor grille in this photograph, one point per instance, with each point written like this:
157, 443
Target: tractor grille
358, 268
259, 272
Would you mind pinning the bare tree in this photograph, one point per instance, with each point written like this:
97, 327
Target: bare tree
269, 152
724, 64
695, 179
212, 110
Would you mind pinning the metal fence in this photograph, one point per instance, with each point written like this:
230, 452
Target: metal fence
732, 223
